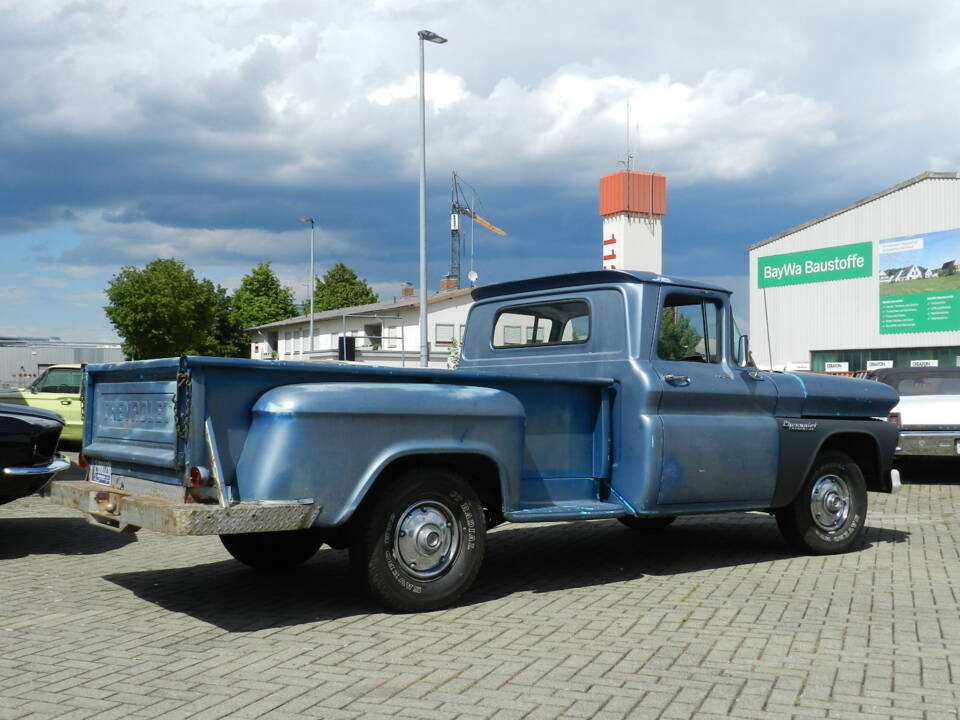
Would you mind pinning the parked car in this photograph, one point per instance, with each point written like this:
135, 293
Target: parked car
57, 390
28, 450
929, 409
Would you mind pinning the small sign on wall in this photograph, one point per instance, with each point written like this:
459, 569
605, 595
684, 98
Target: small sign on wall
878, 364
836, 367
924, 363
798, 366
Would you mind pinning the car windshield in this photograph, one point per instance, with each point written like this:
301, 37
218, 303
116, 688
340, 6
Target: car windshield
942, 383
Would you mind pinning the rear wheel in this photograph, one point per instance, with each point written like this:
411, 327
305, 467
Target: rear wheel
273, 550
828, 515
646, 524
419, 544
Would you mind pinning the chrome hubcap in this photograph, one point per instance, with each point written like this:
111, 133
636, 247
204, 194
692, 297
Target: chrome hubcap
830, 502
426, 539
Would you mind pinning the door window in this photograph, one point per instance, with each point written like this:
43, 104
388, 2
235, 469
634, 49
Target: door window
59, 380
689, 330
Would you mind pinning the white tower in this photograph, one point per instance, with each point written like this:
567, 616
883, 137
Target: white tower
632, 204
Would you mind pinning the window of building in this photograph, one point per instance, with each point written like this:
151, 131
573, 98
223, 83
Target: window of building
562, 322
443, 333
688, 329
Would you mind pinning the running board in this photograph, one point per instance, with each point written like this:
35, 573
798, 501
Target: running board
583, 510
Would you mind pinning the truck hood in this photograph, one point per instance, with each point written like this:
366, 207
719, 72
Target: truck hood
929, 410
814, 395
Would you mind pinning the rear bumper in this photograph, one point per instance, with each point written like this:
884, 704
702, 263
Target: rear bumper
123, 512
931, 443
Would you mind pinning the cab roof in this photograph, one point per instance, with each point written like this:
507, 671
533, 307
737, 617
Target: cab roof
589, 277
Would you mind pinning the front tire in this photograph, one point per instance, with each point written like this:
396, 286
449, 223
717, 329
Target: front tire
420, 543
273, 550
828, 516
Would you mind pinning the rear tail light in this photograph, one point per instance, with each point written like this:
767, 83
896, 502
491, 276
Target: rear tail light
199, 476
894, 419
81, 461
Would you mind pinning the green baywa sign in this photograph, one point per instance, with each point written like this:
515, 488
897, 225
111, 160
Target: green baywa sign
843, 262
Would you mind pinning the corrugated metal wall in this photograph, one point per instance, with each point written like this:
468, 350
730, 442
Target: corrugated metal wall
844, 314
20, 364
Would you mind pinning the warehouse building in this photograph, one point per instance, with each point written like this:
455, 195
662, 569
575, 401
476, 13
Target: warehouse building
873, 284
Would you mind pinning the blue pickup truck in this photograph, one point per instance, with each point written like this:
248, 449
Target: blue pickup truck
587, 396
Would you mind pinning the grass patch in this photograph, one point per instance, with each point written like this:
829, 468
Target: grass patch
921, 285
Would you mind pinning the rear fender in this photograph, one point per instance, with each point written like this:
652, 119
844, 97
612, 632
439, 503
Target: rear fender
330, 442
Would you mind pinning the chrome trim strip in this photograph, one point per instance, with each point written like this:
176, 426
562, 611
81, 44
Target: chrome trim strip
58, 463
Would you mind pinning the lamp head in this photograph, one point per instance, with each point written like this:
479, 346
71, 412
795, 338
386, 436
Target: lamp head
431, 37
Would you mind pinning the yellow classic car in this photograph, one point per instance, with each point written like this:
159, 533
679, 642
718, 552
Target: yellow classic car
57, 389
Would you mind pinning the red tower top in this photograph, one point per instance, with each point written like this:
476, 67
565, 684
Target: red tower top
633, 192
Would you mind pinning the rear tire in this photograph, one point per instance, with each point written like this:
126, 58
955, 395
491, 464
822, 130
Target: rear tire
273, 550
828, 516
419, 545
646, 524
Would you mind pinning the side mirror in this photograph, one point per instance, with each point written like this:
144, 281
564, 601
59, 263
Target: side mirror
743, 351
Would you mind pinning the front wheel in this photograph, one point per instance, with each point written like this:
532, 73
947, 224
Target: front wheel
420, 543
828, 515
273, 550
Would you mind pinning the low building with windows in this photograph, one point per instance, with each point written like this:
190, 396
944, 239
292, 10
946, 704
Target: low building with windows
383, 333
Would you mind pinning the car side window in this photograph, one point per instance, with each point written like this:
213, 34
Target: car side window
59, 380
689, 329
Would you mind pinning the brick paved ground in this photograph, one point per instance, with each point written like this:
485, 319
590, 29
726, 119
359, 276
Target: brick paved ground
712, 618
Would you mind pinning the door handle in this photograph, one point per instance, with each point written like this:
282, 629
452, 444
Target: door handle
64, 402
677, 379
756, 375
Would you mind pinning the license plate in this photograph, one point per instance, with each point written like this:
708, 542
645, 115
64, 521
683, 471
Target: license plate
100, 473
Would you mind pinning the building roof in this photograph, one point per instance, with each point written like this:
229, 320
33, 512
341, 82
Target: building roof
411, 301
588, 277
876, 196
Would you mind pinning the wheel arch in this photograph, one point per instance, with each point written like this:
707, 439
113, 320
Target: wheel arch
481, 470
869, 443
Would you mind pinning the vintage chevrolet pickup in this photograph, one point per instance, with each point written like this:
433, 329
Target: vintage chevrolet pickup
606, 394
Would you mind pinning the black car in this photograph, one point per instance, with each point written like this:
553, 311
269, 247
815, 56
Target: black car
28, 450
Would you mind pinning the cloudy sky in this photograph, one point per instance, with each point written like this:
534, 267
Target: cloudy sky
202, 129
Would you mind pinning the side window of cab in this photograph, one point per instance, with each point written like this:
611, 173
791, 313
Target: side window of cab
689, 329
59, 380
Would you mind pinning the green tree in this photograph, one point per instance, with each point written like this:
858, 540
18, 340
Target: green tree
162, 310
678, 339
260, 299
340, 288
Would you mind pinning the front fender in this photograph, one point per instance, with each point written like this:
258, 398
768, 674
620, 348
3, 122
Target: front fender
331, 441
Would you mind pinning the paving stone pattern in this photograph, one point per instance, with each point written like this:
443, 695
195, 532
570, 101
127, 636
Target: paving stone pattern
711, 618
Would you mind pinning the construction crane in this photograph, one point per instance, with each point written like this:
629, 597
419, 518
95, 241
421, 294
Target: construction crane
459, 206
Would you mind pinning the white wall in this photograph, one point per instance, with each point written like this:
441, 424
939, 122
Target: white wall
844, 314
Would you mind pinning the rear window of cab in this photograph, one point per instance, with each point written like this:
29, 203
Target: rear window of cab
560, 322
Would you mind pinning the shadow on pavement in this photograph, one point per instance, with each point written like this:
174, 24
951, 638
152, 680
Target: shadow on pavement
20, 537
519, 559
928, 470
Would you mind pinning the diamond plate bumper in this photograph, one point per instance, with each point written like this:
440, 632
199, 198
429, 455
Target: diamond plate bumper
123, 512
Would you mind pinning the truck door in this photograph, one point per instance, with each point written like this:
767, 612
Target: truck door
720, 441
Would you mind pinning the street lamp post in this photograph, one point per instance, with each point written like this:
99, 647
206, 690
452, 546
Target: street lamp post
313, 282
424, 341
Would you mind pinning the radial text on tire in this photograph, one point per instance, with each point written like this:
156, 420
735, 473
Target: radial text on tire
419, 544
829, 513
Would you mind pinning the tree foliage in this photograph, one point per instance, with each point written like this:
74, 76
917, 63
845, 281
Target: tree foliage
339, 288
162, 310
678, 339
260, 299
